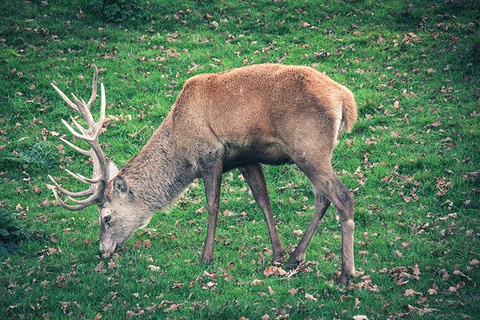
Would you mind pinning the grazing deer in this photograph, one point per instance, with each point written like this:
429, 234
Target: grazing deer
271, 114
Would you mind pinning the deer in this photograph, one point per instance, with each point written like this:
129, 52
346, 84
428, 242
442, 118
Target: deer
264, 114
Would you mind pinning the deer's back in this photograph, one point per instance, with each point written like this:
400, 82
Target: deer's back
256, 110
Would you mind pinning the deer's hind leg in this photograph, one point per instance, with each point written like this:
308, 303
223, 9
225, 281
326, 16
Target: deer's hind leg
298, 256
315, 163
253, 173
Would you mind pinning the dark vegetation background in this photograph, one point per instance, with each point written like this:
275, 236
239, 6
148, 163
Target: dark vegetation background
412, 160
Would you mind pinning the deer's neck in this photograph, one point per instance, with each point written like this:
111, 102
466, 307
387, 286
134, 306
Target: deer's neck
158, 174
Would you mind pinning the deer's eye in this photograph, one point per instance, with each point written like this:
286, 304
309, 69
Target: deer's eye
107, 218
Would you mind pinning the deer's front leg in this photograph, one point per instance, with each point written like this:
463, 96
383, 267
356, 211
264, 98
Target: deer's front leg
253, 173
212, 180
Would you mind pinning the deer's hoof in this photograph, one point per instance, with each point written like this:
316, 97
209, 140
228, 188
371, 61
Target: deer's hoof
345, 278
206, 260
278, 256
293, 263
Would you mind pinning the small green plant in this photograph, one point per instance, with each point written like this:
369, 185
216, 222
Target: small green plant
475, 50
11, 231
119, 10
39, 156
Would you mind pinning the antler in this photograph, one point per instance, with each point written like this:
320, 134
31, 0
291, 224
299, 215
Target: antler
90, 135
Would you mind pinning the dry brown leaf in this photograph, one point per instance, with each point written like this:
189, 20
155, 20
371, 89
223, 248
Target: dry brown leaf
293, 291
173, 307
274, 270
357, 302
154, 268
310, 297
256, 282
432, 291
270, 290
416, 270
411, 292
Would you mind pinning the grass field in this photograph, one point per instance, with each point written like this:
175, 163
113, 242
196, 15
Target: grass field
412, 160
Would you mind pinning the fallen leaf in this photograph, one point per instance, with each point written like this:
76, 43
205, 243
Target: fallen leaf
432, 291
270, 290
360, 317
147, 243
256, 282
64, 306
416, 270
112, 264
153, 268
460, 273
297, 232
395, 134
274, 270
173, 307
411, 292
293, 291
209, 275
422, 311
310, 297
366, 283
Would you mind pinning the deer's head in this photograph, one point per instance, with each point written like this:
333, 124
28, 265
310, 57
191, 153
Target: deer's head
120, 213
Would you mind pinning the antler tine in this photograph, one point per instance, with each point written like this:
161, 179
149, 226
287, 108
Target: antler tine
90, 200
66, 192
89, 134
82, 151
65, 98
78, 125
94, 88
83, 179
103, 106
84, 111
67, 206
76, 134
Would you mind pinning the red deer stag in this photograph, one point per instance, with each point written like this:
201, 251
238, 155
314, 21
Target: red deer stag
271, 114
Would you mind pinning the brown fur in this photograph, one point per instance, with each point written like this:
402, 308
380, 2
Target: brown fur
242, 118
271, 114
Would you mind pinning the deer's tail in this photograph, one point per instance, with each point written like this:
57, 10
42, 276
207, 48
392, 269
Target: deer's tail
349, 111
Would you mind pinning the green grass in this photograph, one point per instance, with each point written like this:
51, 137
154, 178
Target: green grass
412, 161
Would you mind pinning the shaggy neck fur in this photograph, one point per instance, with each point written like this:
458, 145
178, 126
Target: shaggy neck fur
155, 176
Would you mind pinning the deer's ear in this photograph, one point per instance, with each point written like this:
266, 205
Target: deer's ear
112, 169
119, 184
